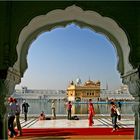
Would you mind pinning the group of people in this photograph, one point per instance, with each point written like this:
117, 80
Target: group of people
115, 114
14, 114
91, 111
69, 107
53, 107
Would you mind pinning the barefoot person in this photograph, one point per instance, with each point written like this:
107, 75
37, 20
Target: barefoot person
18, 117
25, 109
69, 106
91, 112
42, 116
11, 116
53, 110
114, 116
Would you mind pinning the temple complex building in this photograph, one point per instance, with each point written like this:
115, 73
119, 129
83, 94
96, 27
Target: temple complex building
84, 92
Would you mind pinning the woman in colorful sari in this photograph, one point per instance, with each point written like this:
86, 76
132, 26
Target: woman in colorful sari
91, 112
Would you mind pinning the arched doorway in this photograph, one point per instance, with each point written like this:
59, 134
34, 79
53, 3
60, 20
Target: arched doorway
75, 14
82, 18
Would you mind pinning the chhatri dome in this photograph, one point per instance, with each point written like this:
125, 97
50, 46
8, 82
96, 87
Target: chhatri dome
78, 81
98, 82
89, 82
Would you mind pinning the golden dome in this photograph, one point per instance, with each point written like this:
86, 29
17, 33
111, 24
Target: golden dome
98, 82
89, 82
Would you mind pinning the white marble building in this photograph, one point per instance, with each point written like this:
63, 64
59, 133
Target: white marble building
119, 94
26, 93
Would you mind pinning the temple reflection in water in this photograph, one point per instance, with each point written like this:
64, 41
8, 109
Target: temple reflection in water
79, 94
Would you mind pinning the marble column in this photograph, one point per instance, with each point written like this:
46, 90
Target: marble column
6, 89
133, 81
3, 114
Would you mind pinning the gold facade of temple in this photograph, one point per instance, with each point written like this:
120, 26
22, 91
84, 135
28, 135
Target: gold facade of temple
84, 92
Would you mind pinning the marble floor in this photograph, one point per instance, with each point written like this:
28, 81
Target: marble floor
100, 121
127, 121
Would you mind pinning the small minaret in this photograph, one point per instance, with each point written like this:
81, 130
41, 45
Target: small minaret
78, 82
106, 86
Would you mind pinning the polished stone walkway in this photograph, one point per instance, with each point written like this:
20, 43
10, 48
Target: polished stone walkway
99, 121
127, 121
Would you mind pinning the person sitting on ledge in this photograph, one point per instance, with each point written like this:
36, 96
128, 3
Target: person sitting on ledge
42, 116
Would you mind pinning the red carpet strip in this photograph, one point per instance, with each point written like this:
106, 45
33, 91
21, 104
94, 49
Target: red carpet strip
75, 131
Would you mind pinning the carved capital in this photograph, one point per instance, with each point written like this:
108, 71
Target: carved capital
133, 81
7, 87
13, 78
136, 108
13, 75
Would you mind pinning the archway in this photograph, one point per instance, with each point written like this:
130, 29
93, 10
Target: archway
89, 19
75, 14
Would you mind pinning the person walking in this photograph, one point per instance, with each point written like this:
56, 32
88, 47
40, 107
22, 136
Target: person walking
91, 112
18, 117
118, 113
114, 117
25, 109
69, 106
11, 116
120, 105
53, 110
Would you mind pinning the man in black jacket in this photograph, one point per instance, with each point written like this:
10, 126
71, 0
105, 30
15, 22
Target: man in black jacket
25, 109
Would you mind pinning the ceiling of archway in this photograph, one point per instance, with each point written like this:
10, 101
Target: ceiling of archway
75, 14
126, 14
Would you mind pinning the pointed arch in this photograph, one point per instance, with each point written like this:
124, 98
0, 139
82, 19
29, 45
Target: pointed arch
74, 14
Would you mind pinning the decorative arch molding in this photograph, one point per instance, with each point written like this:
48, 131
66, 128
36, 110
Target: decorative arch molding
73, 14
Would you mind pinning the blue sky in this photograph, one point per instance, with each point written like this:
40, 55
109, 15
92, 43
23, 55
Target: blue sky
57, 57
